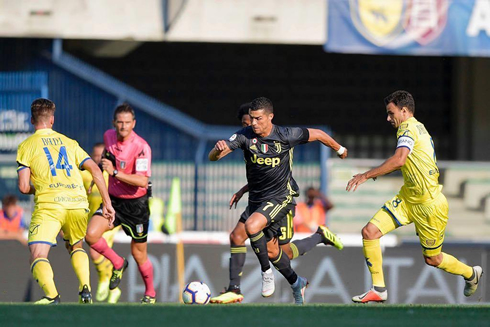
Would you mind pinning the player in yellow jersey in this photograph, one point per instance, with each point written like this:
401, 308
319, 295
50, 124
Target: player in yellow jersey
419, 201
102, 265
49, 167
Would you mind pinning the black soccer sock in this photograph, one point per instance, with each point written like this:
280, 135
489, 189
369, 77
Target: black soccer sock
259, 245
237, 261
306, 244
283, 265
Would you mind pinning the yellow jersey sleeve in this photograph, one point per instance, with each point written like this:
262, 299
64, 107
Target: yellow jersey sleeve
420, 172
54, 162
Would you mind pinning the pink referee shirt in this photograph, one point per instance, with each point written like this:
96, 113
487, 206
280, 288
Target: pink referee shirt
133, 156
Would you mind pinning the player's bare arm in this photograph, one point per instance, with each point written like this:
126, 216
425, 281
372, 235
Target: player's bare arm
98, 179
219, 151
131, 179
24, 183
327, 140
391, 164
238, 195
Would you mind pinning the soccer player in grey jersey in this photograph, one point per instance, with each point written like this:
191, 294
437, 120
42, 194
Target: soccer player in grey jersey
268, 152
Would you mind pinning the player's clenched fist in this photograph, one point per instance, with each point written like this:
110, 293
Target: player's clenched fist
220, 145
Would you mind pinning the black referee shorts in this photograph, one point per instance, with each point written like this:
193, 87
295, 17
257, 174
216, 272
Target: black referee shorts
133, 215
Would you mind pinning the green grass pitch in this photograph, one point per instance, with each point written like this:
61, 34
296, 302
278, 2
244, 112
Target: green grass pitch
235, 315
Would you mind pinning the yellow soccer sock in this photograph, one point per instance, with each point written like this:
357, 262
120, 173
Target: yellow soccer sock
374, 261
453, 266
80, 263
104, 268
43, 274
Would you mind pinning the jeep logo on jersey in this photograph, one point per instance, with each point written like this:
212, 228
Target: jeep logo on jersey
265, 161
264, 148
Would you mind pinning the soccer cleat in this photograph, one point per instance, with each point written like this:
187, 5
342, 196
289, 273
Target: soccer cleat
117, 275
329, 238
268, 285
471, 285
228, 296
48, 300
148, 300
85, 296
299, 288
102, 291
371, 296
114, 295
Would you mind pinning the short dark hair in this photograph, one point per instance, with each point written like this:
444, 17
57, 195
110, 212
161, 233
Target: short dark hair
262, 103
8, 200
98, 145
123, 108
243, 110
42, 109
401, 99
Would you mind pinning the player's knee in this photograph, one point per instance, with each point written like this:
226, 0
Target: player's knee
252, 226
238, 238
91, 237
371, 232
433, 261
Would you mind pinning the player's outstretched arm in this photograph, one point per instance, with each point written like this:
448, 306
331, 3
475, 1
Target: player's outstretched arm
220, 150
238, 195
98, 179
327, 140
24, 183
393, 163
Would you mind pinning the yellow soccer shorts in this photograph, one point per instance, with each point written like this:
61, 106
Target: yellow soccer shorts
46, 224
430, 220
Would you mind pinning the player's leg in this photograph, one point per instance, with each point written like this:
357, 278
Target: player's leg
238, 253
254, 227
278, 235
43, 229
135, 220
145, 267
430, 222
74, 230
388, 218
97, 226
104, 269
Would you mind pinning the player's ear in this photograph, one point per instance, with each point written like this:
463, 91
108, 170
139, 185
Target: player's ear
271, 115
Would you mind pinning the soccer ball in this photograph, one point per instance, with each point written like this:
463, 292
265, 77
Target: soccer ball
196, 293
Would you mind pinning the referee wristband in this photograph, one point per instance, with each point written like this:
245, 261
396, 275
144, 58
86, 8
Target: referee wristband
341, 150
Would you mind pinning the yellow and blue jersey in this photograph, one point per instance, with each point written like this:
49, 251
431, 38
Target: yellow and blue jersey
420, 172
55, 161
